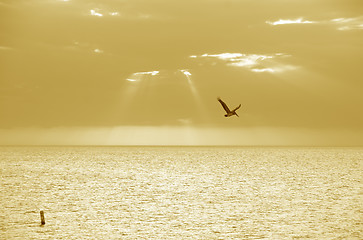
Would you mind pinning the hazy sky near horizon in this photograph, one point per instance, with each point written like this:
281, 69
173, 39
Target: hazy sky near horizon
150, 71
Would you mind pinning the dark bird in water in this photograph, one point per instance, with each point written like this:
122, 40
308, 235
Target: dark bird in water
229, 112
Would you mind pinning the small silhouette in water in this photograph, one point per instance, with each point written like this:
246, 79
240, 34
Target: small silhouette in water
229, 112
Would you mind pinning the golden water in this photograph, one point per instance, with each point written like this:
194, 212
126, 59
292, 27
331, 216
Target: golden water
181, 193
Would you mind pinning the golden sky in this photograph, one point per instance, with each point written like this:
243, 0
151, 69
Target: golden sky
149, 72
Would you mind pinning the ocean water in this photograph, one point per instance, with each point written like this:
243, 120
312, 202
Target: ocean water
181, 193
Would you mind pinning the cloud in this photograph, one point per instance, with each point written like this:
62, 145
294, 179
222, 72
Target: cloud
257, 63
348, 23
97, 50
152, 73
95, 12
288, 21
101, 13
263, 70
341, 24
126, 15
186, 72
103, 10
137, 76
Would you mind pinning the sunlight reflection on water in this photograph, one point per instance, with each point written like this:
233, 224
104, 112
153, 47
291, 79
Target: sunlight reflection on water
180, 193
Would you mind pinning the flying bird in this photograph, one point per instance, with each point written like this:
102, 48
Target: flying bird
229, 112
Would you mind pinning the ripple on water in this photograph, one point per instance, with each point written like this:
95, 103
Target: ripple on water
181, 193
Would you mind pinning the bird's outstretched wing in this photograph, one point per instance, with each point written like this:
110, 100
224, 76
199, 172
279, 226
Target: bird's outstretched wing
236, 108
224, 105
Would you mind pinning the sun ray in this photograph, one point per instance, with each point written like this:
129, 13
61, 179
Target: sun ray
201, 109
135, 85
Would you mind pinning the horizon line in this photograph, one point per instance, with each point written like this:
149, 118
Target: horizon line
181, 145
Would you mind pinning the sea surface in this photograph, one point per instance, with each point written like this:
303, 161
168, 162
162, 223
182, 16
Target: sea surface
181, 193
